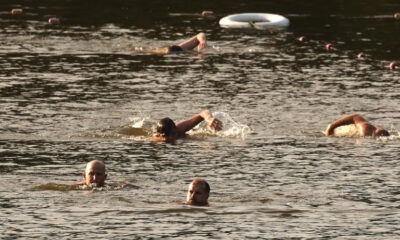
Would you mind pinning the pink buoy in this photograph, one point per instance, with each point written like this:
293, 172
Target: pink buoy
302, 39
361, 55
393, 65
54, 20
329, 47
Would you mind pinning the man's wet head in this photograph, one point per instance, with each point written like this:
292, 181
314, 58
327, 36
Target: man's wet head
95, 173
166, 128
379, 132
198, 193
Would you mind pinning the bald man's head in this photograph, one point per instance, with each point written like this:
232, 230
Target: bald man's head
95, 173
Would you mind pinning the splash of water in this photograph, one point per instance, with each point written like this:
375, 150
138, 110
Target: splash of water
231, 128
141, 122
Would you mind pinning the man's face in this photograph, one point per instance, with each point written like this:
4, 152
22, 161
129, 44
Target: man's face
197, 195
95, 175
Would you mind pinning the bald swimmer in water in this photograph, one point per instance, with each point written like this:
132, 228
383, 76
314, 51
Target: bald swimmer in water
198, 193
95, 174
167, 131
364, 128
198, 41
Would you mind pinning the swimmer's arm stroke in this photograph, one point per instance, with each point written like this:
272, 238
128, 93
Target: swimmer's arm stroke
346, 120
186, 125
198, 41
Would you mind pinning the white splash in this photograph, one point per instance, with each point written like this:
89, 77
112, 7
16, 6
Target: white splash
231, 128
141, 122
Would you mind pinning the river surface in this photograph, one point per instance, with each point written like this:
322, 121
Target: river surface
75, 92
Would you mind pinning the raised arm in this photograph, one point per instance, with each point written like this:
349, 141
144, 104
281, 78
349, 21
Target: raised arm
346, 120
197, 41
186, 125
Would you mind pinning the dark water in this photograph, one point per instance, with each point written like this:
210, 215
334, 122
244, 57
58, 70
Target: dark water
74, 92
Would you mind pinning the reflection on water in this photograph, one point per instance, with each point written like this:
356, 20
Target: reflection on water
70, 187
73, 92
56, 187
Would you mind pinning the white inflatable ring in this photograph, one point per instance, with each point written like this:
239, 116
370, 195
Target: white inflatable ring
260, 20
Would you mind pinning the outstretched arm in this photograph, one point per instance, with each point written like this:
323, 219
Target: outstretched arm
186, 125
197, 41
346, 120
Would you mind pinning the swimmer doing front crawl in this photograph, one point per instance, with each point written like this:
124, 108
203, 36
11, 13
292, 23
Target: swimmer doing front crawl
198, 41
167, 130
364, 128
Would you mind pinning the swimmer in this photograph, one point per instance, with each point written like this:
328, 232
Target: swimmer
95, 174
198, 193
198, 41
167, 131
364, 128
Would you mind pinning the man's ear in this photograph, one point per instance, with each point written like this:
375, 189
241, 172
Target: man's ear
207, 196
84, 175
105, 176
